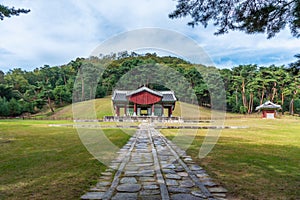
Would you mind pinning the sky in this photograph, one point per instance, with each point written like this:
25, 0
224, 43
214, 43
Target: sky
56, 32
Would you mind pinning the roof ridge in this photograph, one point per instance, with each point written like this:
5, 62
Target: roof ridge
144, 88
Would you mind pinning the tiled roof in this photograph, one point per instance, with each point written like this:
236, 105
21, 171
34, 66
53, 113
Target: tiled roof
121, 95
168, 96
144, 88
268, 105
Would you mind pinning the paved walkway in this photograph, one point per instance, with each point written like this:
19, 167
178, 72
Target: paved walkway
149, 167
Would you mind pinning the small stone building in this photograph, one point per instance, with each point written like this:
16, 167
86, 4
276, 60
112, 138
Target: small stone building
143, 102
268, 110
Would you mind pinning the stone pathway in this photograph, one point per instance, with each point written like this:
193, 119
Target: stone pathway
149, 167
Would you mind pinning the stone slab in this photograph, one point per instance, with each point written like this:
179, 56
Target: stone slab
185, 197
128, 180
198, 194
123, 196
93, 195
127, 187
149, 192
171, 182
173, 189
217, 190
187, 183
173, 176
150, 187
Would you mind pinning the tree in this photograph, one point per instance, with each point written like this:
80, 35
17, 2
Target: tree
6, 91
250, 16
61, 95
243, 77
46, 93
77, 66
4, 110
14, 107
283, 79
293, 89
2, 77
16, 78
295, 66
8, 12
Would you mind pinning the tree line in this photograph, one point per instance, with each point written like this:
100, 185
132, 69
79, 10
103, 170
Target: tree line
246, 86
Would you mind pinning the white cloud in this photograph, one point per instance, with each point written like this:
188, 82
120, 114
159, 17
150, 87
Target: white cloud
54, 32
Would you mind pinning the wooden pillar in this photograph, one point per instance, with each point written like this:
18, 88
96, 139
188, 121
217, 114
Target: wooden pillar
125, 110
118, 111
134, 109
162, 110
152, 110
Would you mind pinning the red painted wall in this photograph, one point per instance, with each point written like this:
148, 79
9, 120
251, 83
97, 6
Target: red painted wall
264, 113
144, 98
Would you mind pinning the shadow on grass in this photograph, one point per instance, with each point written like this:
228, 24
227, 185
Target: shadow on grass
251, 170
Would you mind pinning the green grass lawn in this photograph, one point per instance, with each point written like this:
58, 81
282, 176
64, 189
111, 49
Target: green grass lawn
42, 162
261, 162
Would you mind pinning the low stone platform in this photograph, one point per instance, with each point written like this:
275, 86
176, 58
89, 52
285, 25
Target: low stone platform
142, 119
151, 167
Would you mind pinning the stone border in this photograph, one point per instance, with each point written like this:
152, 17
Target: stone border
187, 169
156, 127
160, 179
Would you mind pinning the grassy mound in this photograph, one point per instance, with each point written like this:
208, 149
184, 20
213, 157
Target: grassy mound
187, 110
103, 107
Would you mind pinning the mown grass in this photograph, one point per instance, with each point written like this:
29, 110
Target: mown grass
260, 162
42, 162
187, 110
97, 108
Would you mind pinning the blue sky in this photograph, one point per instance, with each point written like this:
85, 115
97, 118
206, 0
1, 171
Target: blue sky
56, 32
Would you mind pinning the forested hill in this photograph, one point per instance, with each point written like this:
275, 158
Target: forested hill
247, 86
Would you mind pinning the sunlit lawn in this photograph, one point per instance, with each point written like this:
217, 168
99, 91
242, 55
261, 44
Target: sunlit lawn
92, 109
42, 162
260, 162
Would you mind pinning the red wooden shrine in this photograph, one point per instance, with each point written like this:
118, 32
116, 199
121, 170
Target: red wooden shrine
143, 102
145, 98
268, 109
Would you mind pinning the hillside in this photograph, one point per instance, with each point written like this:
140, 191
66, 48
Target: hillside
187, 110
102, 106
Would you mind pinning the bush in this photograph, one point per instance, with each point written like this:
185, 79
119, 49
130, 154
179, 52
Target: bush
243, 109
